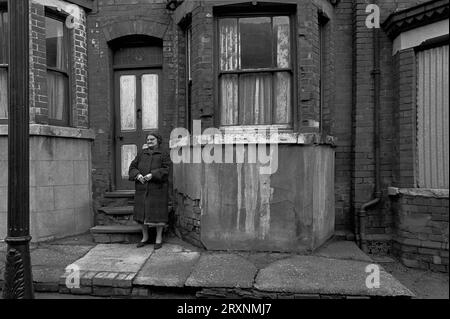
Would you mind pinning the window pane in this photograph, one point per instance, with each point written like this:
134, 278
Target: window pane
228, 44
128, 153
255, 98
229, 99
281, 33
3, 37
282, 112
3, 93
57, 86
128, 102
149, 101
256, 42
56, 55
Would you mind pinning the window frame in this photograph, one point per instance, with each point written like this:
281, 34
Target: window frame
253, 11
5, 66
67, 110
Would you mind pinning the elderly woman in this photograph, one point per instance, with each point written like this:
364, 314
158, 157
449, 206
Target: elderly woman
150, 170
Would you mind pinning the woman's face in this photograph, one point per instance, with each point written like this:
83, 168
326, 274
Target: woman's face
152, 141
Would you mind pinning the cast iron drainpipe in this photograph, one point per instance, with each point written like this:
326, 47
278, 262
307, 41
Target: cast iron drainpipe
362, 213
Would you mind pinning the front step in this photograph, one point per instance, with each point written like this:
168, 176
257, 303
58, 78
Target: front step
109, 234
120, 194
117, 211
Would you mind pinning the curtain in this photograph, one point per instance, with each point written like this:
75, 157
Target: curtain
3, 37
229, 53
56, 56
229, 99
282, 112
3, 93
3, 60
57, 95
255, 98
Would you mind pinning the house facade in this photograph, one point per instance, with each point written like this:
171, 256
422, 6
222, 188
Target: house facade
356, 114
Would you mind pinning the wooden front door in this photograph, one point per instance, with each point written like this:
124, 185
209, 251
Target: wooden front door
137, 96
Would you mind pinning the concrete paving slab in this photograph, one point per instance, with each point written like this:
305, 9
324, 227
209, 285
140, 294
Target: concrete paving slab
115, 258
57, 255
222, 270
318, 275
342, 250
49, 262
167, 269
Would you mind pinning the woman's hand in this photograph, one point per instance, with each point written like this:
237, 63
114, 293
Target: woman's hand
141, 179
148, 177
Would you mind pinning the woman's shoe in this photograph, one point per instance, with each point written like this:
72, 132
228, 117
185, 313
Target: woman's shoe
158, 246
141, 244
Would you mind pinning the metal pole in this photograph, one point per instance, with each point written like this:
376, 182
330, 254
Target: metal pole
18, 276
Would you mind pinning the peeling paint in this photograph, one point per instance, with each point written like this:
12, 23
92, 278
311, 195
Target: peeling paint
266, 195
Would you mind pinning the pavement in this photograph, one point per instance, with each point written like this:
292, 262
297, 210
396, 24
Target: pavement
180, 270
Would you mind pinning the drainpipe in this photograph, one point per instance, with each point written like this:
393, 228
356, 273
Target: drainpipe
362, 213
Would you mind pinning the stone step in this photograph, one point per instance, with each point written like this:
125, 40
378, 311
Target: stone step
121, 210
120, 194
109, 234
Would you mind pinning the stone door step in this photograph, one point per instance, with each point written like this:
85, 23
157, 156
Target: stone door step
120, 194
122, 210
117, 234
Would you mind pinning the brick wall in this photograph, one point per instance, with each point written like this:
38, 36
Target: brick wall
380, 220
421, 231
341, 126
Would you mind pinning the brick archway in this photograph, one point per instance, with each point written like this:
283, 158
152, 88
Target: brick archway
136, 27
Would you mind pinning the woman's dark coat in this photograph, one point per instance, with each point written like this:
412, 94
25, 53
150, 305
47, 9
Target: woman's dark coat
151, 198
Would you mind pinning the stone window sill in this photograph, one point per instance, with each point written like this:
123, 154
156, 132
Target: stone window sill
242, 137
55, 131
422, 192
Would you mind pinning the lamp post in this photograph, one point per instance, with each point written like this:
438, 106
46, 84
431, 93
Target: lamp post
18, 276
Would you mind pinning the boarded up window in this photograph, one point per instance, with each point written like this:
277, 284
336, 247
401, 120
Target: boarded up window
432, 118
255, 70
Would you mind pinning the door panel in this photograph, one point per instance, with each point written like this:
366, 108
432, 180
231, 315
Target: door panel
149, 101
128, 103
137, 114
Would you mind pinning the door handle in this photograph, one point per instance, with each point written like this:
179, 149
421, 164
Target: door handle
139, 113
119, 137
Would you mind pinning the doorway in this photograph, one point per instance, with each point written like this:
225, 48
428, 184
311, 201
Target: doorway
137, 114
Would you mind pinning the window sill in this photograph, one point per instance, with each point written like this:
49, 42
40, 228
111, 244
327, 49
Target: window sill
55, 131
246, 137
422, 192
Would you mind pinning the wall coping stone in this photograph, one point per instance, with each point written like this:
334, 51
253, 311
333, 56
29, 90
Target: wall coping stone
55, 131
422, 192
242, 137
